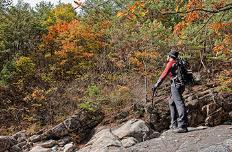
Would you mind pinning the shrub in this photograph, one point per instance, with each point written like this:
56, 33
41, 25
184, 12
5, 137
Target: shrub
88, 106
225, 81
47, 77
7, 72
92, 98
93, 91
25, 67
120, 96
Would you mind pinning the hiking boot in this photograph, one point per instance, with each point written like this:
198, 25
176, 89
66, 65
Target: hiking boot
180, 130
172, 127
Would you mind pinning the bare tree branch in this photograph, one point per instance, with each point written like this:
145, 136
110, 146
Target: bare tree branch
203, 25
225, 8
92, 6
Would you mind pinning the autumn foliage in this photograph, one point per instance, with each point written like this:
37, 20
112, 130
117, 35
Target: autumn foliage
58, 58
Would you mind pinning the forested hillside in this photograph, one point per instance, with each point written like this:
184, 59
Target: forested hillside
103, 53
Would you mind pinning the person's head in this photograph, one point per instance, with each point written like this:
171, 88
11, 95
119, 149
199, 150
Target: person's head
173, 54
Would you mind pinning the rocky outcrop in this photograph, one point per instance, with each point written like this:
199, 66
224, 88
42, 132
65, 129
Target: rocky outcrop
81, 123
205, 106
6, 143
70, 147
40, 149
117, 139
208, 107
103, 141
133, 128
224, 146
129, 141
13, 143
55, 139
201, 139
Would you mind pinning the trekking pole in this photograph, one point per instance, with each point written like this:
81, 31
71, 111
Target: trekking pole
152, 99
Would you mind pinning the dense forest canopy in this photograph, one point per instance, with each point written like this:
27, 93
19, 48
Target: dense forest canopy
105, 46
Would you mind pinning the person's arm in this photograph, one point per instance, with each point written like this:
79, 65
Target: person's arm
163, 75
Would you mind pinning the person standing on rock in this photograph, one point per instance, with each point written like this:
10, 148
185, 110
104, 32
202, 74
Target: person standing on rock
176, 103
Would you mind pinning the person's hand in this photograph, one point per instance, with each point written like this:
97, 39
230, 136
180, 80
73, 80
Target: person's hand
154, 88
156, 85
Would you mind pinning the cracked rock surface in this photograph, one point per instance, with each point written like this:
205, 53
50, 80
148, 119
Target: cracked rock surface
215, 139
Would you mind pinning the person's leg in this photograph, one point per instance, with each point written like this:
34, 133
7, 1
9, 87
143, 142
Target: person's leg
173, 112
177, 91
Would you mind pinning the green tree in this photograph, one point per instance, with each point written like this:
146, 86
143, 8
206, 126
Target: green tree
43, 12
21, 32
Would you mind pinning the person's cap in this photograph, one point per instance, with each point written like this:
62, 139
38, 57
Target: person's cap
173, 54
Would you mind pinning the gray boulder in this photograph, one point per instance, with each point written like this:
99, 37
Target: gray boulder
58, 131
133, 128
6, 143
104, 141
40, 149
15, 148
69, 147
37, 138
22, 144
55, 148
128, 142
20, 136
64, 141
48, 144
80, 123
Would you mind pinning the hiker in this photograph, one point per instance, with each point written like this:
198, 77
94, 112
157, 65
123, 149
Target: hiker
176, 103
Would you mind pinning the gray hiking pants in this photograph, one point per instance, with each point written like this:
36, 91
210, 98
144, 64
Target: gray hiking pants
177, 107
